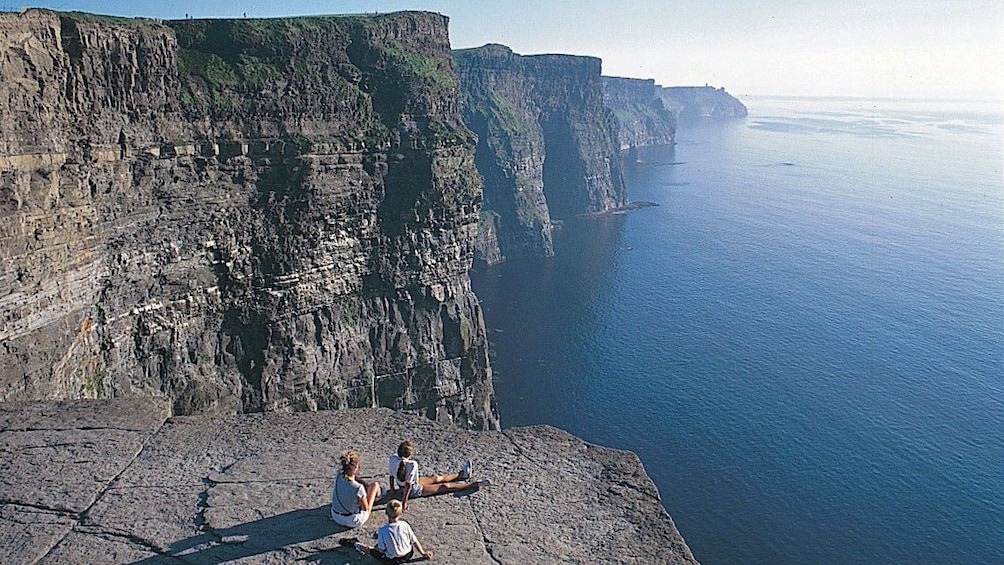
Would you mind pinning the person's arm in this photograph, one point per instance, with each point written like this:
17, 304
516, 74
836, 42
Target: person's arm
418, 546
391, 471
404, 497
411, 479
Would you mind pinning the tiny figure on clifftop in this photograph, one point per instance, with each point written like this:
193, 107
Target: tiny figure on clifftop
396, 541
351, 499
403, 472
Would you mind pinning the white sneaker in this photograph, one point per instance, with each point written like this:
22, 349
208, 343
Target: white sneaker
467, 470
484, 483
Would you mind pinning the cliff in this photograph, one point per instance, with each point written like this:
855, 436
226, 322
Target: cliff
642, 117
693, 104
117, 482
547, 146
243, 215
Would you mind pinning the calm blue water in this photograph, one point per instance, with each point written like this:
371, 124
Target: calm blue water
804, 342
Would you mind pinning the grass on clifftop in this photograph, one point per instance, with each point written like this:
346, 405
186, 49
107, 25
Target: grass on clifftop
85, 17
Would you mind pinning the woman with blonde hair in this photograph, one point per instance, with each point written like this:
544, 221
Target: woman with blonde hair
403, 472
351, 499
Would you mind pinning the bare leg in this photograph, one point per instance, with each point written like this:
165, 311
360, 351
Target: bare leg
431, 488
372, 491
437, 479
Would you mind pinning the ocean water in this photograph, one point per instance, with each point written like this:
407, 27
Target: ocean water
804, 341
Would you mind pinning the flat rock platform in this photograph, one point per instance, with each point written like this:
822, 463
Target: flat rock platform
120, 481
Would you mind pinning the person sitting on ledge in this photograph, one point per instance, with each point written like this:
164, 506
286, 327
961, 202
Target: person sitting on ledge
396, 542
351, 499
403, 472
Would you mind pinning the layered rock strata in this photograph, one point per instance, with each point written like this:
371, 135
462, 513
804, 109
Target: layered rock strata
547, 146
694, 104
114, 482
239, 215
642, 117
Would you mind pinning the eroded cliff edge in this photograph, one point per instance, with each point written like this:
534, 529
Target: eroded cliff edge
239, 215
118, 482
547, 146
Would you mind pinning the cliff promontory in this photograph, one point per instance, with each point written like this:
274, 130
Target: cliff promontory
642, 117
694, 104
118, 482
547, 146
239, 215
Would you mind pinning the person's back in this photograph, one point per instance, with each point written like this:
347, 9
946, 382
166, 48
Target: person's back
351, 500
395, 538
345, 496
396, 542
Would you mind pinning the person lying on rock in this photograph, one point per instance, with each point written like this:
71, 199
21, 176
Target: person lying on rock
403, 471
396, 541
351, 499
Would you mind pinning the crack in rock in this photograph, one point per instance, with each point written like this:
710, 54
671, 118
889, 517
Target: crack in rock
519, 448
488, 543
634, 488
61, 512
134, 539
82, 518
199, 519
77, 429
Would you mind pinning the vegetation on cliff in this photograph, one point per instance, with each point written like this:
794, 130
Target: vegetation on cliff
242, 69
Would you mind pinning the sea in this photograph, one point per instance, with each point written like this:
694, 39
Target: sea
803, 341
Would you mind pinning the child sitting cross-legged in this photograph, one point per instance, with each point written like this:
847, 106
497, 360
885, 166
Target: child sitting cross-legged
396, 542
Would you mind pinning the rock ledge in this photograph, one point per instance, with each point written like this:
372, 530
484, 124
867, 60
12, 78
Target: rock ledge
121, 482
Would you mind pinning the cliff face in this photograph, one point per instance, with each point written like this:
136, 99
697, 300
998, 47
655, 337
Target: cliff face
641, 114
692, 104
239, 215
547, 146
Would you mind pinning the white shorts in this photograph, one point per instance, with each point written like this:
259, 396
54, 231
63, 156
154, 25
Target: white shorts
416, 491
352, 520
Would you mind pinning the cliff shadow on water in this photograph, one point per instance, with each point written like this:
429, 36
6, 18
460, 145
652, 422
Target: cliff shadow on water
528, 303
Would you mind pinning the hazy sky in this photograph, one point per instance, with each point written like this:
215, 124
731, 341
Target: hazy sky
881, 48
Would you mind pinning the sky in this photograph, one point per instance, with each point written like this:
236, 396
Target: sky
879, 49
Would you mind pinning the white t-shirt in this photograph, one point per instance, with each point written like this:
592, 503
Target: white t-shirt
410, 470
345, 495
395, 539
